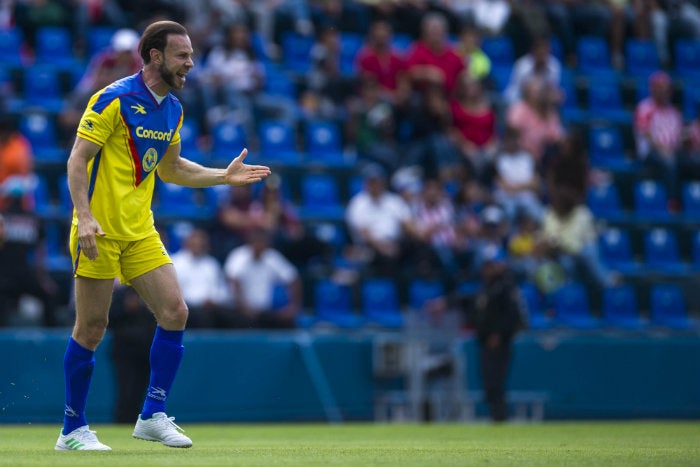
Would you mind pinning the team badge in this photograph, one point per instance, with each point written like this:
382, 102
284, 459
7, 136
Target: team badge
150, 159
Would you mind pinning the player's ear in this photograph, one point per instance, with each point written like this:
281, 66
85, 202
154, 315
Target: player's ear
155, 56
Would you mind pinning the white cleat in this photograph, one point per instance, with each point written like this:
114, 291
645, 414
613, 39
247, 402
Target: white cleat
80, 439
163, 429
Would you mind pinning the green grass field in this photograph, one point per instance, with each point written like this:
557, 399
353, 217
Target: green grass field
595, 444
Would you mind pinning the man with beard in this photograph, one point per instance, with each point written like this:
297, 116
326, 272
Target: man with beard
129, 131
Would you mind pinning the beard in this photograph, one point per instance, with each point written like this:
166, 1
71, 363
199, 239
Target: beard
167, 76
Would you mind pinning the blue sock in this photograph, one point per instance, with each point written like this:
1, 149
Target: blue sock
78, 363
166, 354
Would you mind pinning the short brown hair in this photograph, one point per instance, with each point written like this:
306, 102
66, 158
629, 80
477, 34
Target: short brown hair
156, 37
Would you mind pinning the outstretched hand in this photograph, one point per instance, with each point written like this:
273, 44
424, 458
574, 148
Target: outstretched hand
238, 173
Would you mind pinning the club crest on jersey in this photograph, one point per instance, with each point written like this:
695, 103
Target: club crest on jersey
150, 159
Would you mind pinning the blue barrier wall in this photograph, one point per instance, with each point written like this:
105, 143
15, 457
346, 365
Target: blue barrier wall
266, 377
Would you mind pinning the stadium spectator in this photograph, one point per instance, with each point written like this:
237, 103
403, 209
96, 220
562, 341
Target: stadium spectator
379, 61
432, 61
538, 63
566, 165
517, 181
32, 15
658, 127
235, 218
119, 60
568, 236
474, 120
22, 261
434, 218
430, 146
536, 117
255, 270
231, 83
469, 202
372, 126
381, 222
571, 19
469, 47
490, 16
16, 163
326, 78
522, 246
131, 326
341, 15
203, 284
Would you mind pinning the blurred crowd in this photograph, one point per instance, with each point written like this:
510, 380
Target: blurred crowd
453, 159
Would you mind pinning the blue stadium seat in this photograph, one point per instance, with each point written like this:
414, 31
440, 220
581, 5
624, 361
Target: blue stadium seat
606, 149
350, 44
189, 136
604, 202
57, 258
333, 303
320, 198
661, 252
571, 307
537, 319
296, 52
323, 143
40, 130
605, 103
651, 200
501, 76
99, 39
175, 201
616, 251
54, 45
420, 291
278, 83
570, 109
687, 56
380, 302
641, 57
620, 308
45, 206
691, 98
10, 47
278, 143
695, 250
691, 200
228, 140
401, 42
42, 89
65, 202
668, 306
593, 54
499, 49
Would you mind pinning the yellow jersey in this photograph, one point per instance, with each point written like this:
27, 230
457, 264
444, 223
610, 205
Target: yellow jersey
134, 131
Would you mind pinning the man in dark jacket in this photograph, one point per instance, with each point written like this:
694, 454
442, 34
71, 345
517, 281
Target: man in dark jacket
497, 316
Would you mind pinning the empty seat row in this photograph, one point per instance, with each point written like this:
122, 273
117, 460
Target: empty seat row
569, 306
651, 202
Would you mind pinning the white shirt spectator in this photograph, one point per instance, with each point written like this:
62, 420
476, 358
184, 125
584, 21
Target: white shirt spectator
517, 168
524, 68
382, 217
201, 279
258, 277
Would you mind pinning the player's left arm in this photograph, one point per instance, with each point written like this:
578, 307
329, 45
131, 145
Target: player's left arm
176, 169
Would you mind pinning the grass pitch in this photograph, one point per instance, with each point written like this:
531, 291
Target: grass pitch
595, 444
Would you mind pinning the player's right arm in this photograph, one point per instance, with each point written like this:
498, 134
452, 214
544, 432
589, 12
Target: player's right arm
83, 151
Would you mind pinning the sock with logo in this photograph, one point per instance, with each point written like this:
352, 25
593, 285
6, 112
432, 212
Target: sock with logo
78, 364
166, 354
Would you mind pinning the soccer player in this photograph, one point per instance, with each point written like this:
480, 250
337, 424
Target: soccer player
129, 131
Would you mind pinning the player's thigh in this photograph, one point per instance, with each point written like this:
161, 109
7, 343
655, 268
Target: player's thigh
161, 292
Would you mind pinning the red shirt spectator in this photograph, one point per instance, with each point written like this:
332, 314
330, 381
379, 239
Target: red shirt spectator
378, 61
472, 113
432, 60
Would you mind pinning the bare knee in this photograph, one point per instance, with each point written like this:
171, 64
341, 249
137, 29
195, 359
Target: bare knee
89, 333
173, 315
